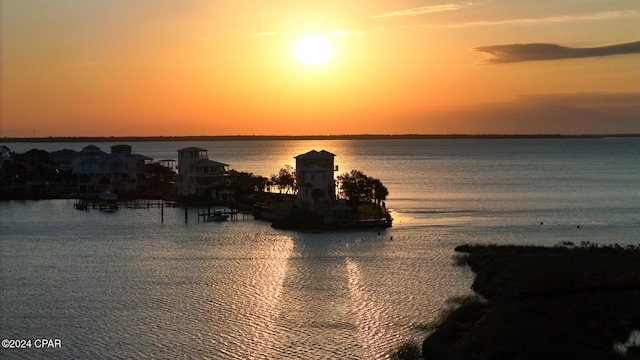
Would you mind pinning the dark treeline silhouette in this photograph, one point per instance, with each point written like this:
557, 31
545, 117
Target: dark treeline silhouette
565, 302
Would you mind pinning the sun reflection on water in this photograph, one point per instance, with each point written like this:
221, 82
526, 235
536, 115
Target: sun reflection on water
257, 277
267, 284
371, 321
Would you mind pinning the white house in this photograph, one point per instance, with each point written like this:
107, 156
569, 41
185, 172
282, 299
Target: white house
314, 179
197, 175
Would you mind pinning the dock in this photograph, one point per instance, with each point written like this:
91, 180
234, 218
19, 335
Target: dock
110, 206
114, 205
234, 214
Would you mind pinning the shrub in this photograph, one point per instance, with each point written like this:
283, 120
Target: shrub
407, 351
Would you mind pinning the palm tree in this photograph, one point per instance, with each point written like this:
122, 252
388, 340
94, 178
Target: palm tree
380, 191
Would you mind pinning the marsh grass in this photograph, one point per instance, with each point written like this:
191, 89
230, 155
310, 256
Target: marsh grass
460, 259
565, 302
407, 351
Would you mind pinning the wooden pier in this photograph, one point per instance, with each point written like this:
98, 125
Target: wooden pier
98, 204
233, 214
115, 205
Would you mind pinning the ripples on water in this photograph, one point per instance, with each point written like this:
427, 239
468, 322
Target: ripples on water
124, 285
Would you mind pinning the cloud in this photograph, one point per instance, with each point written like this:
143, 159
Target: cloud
604, 15
511, 53
568, 18
267, 33
421, 10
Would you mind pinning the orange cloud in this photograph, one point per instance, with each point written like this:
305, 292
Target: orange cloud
530, 52
422, 10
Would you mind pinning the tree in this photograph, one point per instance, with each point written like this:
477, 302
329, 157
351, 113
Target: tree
380, 191
5, 152
158, 175
157, 180
245, 183
285, 180
358, 188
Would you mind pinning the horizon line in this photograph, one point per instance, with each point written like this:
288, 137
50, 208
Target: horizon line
302, 137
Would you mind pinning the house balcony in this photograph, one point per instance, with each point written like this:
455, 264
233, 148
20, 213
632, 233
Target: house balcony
211, 180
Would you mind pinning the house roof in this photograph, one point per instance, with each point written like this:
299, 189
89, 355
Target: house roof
118, 158
114, 158
192, 148
102, 158
63, 152
313, 154
90, 148
35, 153
85, 153
141, 157
207, 162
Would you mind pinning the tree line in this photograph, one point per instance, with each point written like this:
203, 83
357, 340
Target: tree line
355, 187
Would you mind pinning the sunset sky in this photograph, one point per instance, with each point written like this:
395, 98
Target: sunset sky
203, 67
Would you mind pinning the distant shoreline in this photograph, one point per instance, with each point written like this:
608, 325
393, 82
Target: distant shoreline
298, 137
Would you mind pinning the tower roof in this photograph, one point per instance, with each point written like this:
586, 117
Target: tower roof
192, 148
313, 154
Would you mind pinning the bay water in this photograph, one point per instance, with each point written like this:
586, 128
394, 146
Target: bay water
126, 285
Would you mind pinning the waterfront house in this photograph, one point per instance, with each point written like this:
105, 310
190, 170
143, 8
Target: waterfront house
198, 175
63, 159
35, 160
116, 172
139, 160
314, 180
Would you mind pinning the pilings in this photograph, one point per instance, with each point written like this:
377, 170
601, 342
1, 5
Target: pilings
86, 204
115, 205
233, 213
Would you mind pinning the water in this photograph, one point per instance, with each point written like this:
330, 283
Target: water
125, 285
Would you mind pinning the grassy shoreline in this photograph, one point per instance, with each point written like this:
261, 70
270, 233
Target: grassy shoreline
564, 302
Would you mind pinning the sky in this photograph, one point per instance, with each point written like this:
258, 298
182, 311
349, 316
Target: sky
229, 67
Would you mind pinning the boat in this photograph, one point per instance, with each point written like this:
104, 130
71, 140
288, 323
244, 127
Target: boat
108, 201
217, 216
109, 209
108, 196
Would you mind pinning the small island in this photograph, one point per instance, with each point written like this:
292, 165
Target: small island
565, 302
315, 205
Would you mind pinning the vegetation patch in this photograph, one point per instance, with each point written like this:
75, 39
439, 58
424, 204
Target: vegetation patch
407, 351
565, 302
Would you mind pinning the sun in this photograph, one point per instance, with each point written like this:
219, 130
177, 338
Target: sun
314, 49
